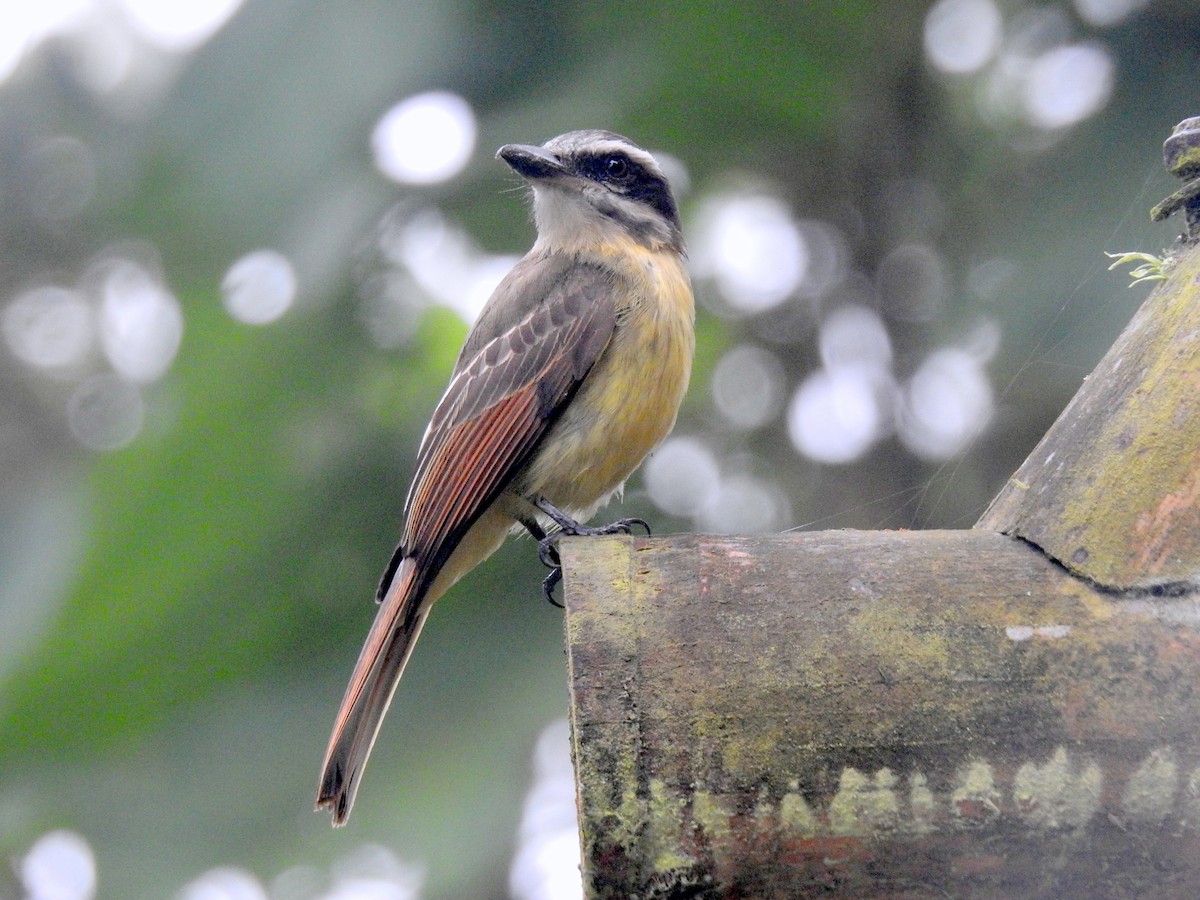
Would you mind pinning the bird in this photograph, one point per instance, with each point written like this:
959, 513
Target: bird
573, 372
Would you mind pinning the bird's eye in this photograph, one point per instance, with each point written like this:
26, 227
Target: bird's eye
616, 168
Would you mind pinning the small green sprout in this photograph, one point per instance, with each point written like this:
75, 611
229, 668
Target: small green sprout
1148, 268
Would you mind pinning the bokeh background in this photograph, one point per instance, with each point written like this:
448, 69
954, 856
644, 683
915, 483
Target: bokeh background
240, 243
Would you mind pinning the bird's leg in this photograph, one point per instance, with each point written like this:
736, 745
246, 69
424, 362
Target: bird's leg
548, 554
548, 543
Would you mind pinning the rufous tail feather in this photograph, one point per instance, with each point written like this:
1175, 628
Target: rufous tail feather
376, 674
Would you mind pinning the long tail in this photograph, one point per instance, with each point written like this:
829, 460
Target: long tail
380, 664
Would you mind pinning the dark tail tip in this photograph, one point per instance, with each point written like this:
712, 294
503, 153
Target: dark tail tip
335, 796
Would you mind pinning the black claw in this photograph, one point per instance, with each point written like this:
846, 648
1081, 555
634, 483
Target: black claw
549, 583
624, 526
548, 543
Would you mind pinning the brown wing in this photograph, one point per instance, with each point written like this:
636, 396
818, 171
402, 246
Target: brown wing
541, 333
507, 390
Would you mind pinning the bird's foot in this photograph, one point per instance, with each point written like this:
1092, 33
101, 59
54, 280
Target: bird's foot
548, 543
567, 525
549, 583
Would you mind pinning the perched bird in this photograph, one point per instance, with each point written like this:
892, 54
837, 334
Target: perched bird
573, 372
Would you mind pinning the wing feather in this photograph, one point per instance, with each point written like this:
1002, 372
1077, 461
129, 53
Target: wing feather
500, 403
541, 333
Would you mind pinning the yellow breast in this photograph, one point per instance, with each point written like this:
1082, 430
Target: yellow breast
629, 400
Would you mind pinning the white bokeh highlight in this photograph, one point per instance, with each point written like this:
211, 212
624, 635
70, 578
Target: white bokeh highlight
224, 883
444, 261
425, 139
853, 335
962, 36
1102, 13
141, 323
837, 414
100, 35
747, 386
259, 288
682, 476
546, 864
744, 504
178, 25
946, 404
59, 866
1068, 84
753, 248
107, 55
373, 872
49, 327
840, 410
25, 25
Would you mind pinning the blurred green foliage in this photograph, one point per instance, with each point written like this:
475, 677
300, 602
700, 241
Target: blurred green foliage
202, 592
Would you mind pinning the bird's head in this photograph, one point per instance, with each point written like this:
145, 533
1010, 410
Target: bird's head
593, 186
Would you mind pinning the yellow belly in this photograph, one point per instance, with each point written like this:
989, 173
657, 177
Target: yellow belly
628, 402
